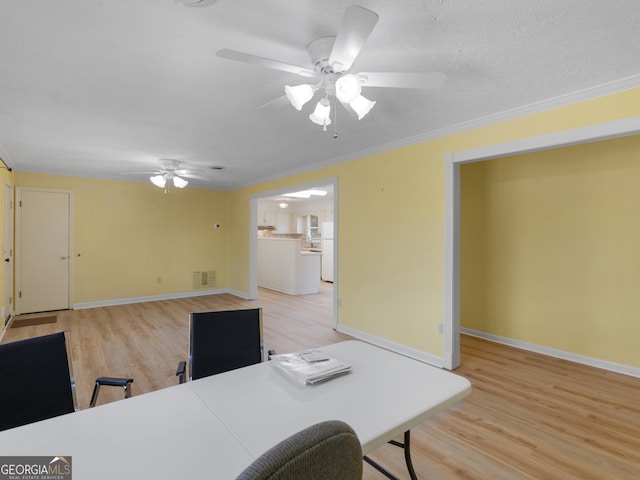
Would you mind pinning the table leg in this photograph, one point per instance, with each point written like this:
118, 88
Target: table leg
406, 446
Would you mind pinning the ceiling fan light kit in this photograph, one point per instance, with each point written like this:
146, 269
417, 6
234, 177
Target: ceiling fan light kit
348, 88
168, 176
166, 179
334, 80
361, 105
332, 59
299, 95
159, 181
320, 115
179, 182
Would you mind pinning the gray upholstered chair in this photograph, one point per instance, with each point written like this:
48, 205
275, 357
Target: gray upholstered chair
327, 450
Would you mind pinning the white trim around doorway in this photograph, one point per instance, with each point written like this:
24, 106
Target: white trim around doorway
591, 133
253, 239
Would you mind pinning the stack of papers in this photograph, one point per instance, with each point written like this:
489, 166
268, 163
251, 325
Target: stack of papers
310, 366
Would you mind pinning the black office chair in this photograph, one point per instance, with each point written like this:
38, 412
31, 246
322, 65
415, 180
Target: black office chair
37, 380
222, 341
124, 383
327, 450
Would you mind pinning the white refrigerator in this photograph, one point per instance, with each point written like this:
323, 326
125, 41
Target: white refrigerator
327, 252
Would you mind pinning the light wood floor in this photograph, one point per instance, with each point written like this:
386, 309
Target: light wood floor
528, 417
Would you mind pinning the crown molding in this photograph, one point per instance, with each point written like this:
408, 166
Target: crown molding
578, 96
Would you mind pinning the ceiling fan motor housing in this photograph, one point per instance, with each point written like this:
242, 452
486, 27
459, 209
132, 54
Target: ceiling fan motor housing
319, 52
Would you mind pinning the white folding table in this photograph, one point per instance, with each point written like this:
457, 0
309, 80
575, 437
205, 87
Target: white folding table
385, 395
220, 424
166, 434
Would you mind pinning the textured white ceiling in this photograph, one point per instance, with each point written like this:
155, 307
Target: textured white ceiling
105, 88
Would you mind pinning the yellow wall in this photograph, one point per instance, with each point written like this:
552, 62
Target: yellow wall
134, 240
391, 223
550, 248
391, 228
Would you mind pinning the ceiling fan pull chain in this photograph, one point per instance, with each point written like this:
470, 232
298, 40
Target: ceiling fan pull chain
335, 119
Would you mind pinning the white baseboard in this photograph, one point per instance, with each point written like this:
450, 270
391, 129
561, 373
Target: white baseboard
237, 293
552, 352
153, 298
393, 346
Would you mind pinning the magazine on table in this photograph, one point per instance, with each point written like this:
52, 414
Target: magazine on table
310, 366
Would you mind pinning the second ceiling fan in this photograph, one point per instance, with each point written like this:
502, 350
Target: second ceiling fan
332, 59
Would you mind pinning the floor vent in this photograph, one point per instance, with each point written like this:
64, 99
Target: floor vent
204, 279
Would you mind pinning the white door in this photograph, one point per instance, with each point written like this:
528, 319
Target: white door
43, 250
7, 254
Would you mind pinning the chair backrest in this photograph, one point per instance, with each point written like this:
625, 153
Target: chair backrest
327, 450
37, 380
223, 341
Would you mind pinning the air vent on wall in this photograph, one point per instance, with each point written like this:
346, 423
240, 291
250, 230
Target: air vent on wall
204, 279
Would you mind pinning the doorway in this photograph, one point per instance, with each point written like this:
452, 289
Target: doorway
297, 223
43, 253
592, 133
6, 310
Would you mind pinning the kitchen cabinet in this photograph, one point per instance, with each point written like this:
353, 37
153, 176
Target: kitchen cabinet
309, 224
313, 226
266, 218
284, 222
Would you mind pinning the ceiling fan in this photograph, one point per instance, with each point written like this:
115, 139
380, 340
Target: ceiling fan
332, 59
170, 174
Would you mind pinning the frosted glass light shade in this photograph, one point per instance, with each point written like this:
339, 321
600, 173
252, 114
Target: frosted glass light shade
299, 95
362, 106
348, 88
179, 182
158, 180
320, 115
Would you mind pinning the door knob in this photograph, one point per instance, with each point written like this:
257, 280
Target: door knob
7, 260
64, 257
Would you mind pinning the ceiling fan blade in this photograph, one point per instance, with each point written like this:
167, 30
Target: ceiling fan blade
356, 27
195, 177
189, 169
264, 62
349, 110
403, 80
275, 103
